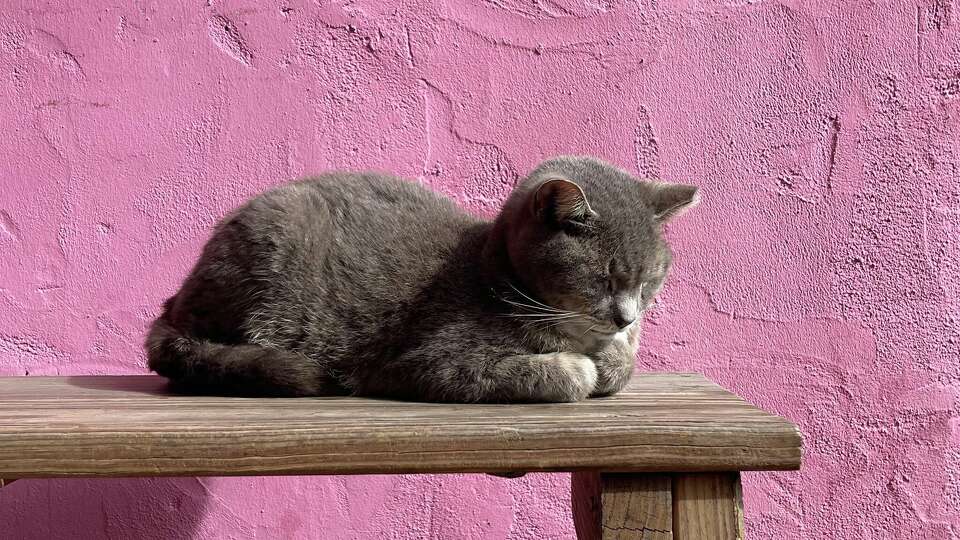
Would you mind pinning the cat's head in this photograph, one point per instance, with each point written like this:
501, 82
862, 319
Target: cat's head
584, 238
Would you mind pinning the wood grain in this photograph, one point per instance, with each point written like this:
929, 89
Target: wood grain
622, 506
707, 506
131, 426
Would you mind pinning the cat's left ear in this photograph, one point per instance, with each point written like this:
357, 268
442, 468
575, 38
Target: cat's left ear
671, 200
560, 201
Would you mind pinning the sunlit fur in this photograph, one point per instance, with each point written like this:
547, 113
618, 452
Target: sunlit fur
371, 285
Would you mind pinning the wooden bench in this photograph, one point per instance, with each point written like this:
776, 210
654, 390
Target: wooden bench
660, 460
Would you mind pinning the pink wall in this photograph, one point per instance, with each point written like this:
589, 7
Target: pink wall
820, 278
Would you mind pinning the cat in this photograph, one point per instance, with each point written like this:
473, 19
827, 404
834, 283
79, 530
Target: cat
371, 285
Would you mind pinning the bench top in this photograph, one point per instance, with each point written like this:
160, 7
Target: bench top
131, 426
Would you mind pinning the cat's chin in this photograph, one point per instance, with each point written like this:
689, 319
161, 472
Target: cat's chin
596, 339
584, 339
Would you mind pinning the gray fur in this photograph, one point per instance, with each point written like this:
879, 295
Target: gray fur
371, 285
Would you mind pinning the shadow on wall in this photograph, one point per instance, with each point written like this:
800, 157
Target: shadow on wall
142, 508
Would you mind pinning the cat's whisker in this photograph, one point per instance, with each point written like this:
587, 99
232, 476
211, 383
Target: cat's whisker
592, 326
617, 250
536, 309
551, 325
535, 301
543, 316
558, 322
525, 295
533, 307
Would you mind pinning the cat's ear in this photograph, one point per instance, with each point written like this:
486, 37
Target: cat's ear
671, 200
558, 201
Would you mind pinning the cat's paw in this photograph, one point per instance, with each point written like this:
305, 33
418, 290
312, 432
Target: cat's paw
578, 376
615, 365
613, 373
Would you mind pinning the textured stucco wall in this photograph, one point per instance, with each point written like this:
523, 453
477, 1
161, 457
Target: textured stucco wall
819, 279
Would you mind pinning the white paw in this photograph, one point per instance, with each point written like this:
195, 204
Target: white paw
581, 371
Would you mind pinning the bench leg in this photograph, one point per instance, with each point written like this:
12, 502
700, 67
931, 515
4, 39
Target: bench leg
622, 506
696, 506
707, 505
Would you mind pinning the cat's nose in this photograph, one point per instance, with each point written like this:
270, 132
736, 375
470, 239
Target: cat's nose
625, 311
623, 320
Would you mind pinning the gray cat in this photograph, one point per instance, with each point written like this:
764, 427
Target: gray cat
371, 285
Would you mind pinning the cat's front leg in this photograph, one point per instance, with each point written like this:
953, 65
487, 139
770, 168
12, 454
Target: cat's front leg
560, 376
471, 377
615, 362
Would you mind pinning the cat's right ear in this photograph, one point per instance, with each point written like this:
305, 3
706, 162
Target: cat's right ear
557, 201
670, 200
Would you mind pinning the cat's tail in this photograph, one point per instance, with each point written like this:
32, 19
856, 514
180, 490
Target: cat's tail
198, 365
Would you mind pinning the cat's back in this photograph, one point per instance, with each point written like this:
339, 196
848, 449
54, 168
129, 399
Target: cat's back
360, 225
385, 205
324, 262
368, 209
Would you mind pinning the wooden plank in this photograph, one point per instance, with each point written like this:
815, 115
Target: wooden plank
131, 426
707, 505
622, 506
